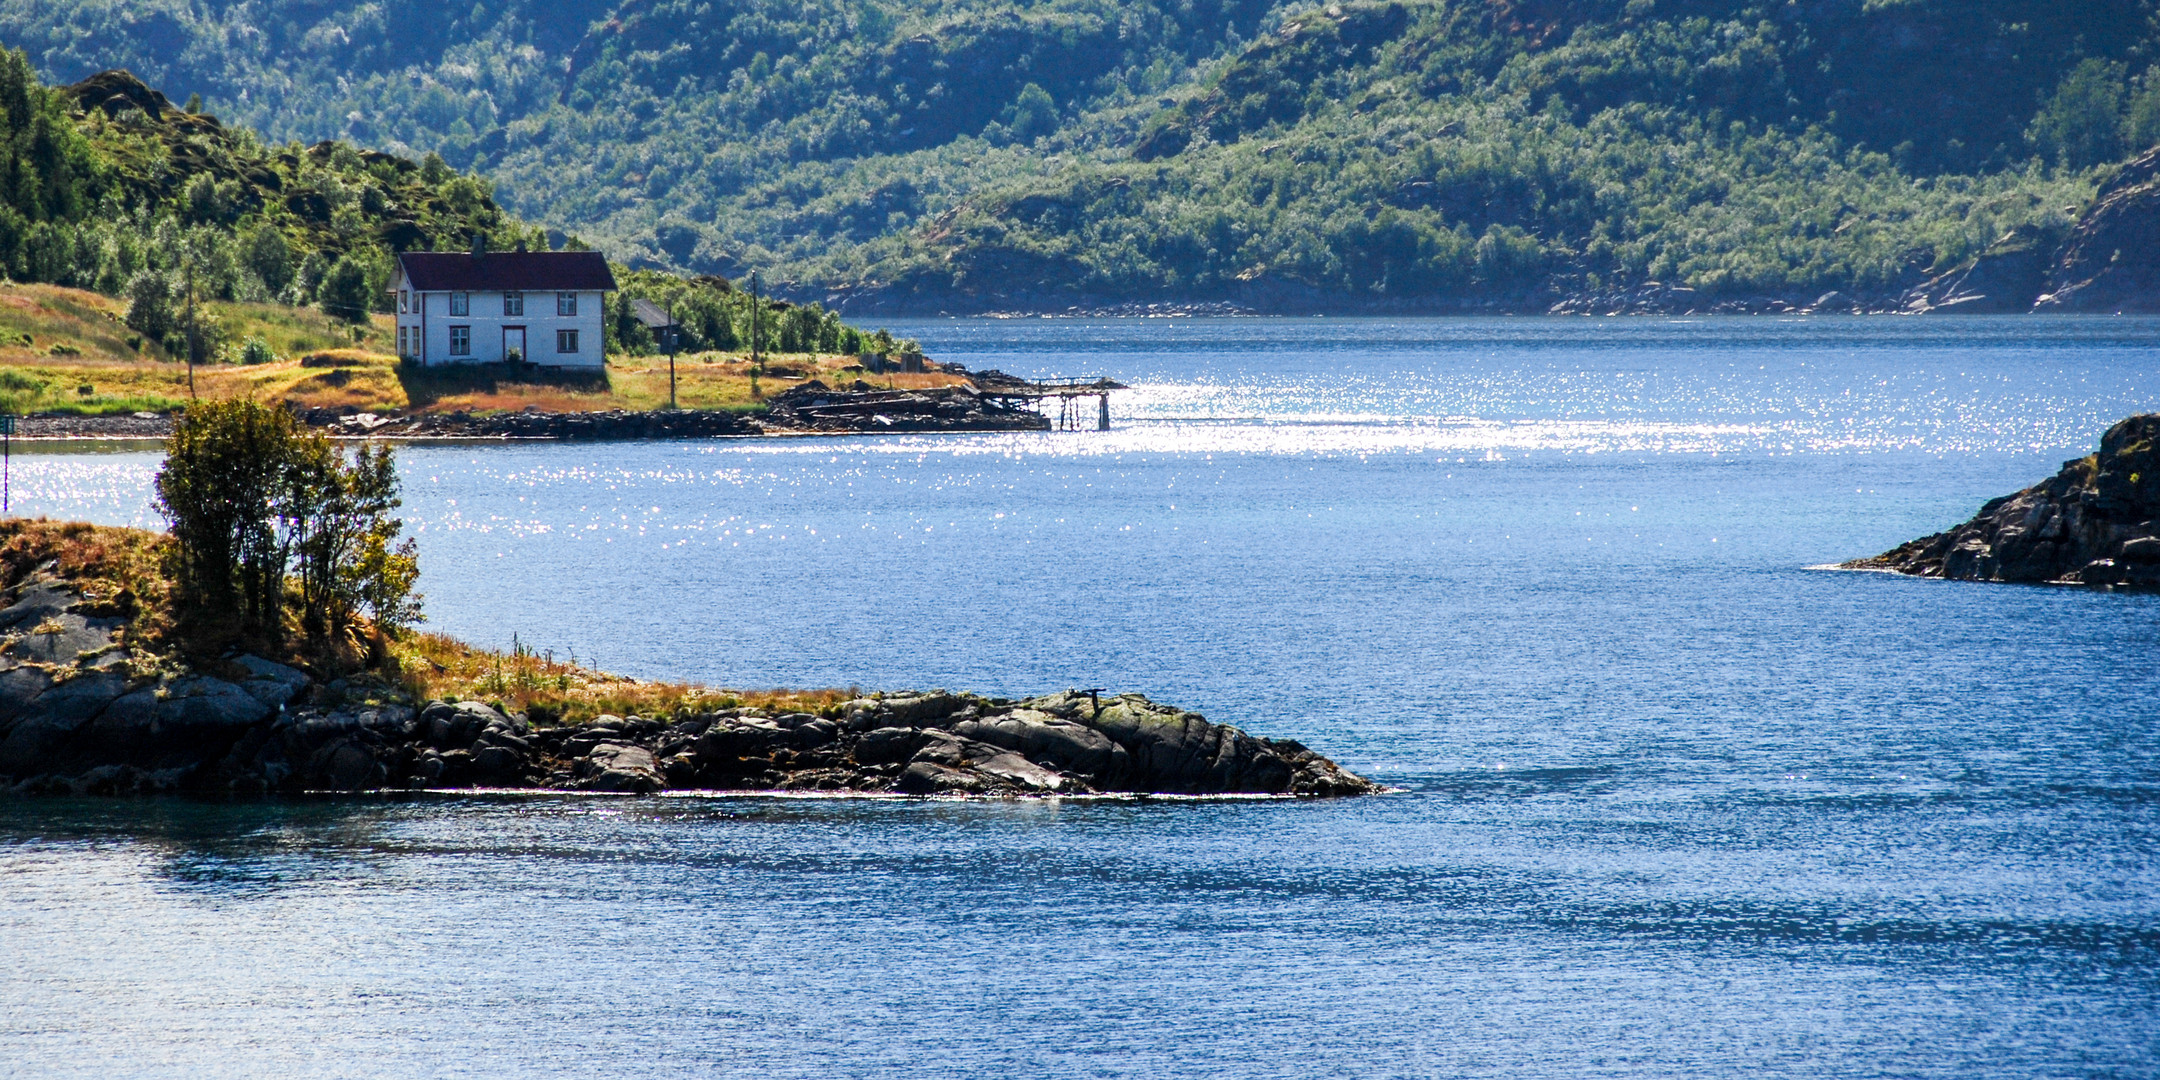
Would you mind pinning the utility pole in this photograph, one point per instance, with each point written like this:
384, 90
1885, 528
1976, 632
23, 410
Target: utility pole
671, 336
754, 305
194, 334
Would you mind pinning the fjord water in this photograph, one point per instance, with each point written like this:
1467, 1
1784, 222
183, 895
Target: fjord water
1673, 803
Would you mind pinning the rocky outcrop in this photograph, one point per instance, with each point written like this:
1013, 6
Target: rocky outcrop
808, 408
82, 712
2004, 279
815, 407
2096, 522
2111, 262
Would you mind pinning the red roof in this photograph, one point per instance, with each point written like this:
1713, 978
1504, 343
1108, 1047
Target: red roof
508, 271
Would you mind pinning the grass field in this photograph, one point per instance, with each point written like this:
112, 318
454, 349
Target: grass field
68, 351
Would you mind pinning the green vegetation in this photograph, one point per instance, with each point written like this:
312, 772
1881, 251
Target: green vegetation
955, 153
273, 525
164, 234
112, 189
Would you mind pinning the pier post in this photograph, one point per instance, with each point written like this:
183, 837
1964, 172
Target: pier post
1102, 420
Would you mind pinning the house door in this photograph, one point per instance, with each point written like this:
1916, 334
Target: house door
514, 344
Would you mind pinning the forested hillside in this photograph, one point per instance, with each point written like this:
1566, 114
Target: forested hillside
986, 154
106, 185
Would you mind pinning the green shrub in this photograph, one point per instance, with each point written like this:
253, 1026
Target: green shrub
257, 351
255, 502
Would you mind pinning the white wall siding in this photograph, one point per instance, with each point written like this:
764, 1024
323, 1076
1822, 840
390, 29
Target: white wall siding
430, 321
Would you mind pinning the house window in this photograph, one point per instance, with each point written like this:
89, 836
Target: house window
461, 341
513, 303
404, 301
402, 338
460, 303
566, 341
566, 304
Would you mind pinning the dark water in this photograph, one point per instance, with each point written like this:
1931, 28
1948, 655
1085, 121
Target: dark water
1675, 805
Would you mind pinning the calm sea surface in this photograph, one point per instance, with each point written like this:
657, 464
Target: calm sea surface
1673, 803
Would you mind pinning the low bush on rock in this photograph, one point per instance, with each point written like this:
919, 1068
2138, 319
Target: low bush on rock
274, 525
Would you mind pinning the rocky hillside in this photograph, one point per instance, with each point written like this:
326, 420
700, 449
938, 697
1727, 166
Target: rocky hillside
97, 698
2097, 522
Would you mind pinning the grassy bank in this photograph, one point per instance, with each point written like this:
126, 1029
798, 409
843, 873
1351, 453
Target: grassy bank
123, 573
68, 350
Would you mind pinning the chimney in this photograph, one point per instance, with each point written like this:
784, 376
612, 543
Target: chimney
479, 244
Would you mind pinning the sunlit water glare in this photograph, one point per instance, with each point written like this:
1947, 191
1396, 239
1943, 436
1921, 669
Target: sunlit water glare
1674, 804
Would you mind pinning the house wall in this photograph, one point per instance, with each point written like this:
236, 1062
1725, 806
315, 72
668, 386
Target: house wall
430, 321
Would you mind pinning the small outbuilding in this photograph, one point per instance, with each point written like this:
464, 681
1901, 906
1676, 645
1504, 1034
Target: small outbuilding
482, 307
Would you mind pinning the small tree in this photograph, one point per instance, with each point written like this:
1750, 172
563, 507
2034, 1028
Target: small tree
344, 290
267, 254
150, 304
222, 488
252, 498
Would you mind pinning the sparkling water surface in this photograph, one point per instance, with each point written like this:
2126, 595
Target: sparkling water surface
1673, 804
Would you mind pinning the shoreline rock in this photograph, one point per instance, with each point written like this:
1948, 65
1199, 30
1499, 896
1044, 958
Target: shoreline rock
83, 713
811, 408
2096, 522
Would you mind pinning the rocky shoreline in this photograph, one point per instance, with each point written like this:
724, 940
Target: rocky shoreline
84, 712
2096, 522
811, 408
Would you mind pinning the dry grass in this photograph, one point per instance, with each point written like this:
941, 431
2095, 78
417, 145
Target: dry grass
435, 666
120, 571
102, 367
68, 350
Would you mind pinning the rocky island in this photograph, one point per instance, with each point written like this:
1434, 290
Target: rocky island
2096, 522
97, 699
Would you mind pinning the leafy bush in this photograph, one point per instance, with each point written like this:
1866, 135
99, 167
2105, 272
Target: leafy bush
344, 290
256, 351
150, 304
252, 501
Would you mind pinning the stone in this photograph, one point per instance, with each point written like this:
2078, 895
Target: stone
271, 683
39, 600
888, 745
497, 763
347, 765
1023, 773
680, 770
201, 701
926, 778
2111, 262
615, 767
2144, 549
62, 638
1067, 745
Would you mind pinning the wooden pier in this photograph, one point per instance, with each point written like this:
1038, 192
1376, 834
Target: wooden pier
1068, 392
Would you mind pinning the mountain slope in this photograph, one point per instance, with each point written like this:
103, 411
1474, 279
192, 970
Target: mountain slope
970, 154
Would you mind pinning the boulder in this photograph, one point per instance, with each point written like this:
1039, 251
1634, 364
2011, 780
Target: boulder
616, 767
38, 738
346, 765
1066, 745
929, 778
887, 745
271, 683
202, 702
62, 638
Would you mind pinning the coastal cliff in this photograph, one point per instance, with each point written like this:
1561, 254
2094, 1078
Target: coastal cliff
2096, 522
95, 699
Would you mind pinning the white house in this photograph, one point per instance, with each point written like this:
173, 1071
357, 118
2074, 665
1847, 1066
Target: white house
542, 307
